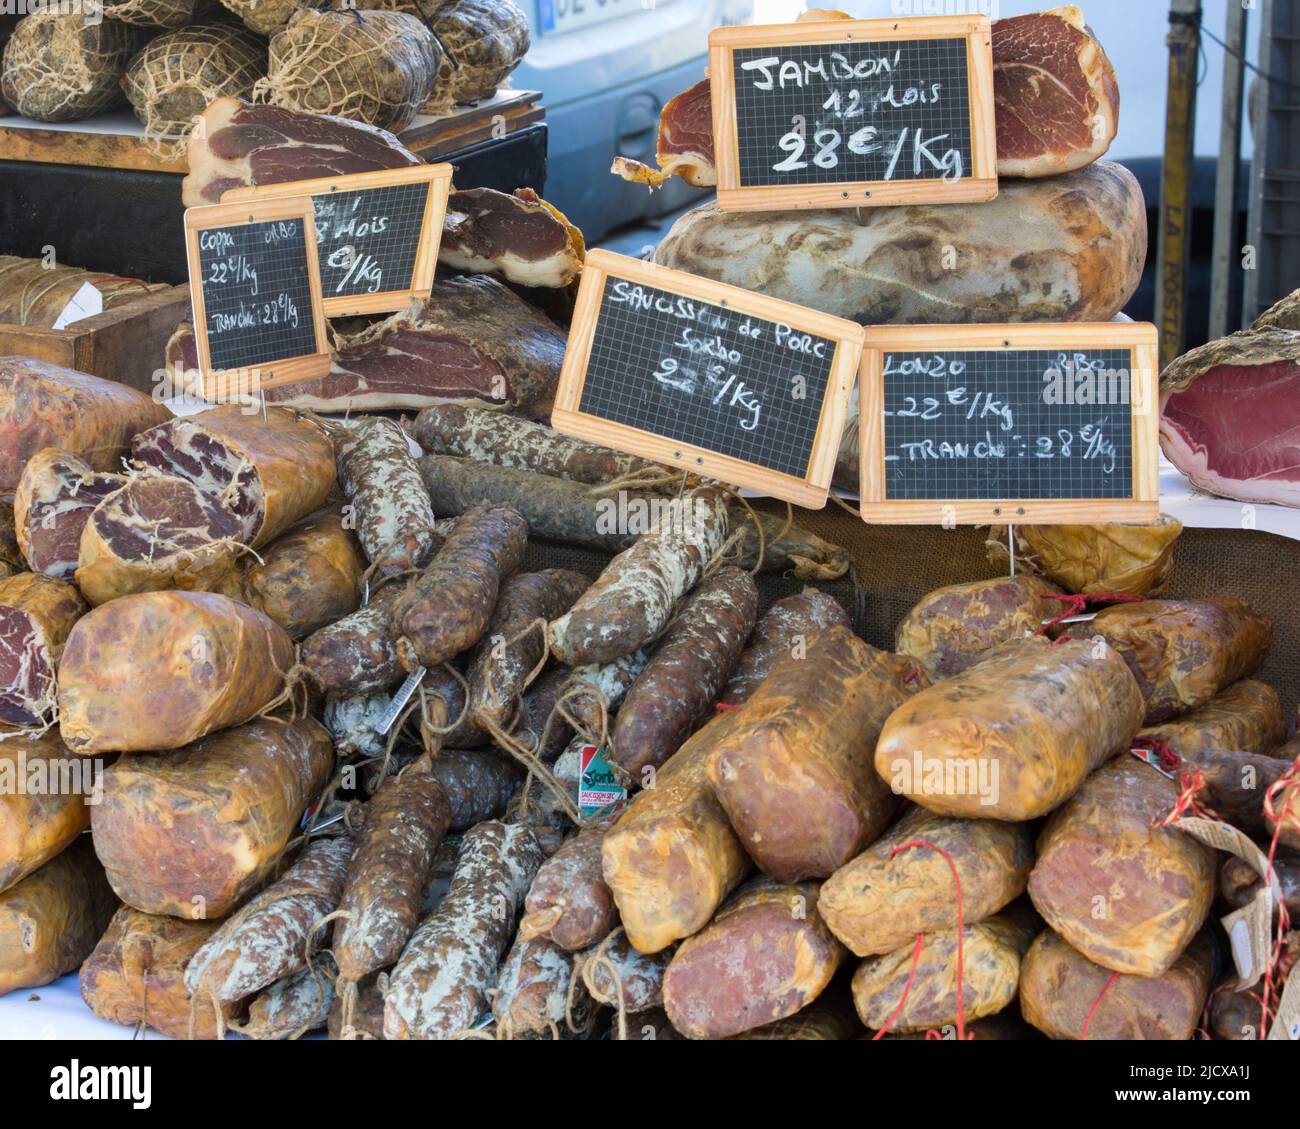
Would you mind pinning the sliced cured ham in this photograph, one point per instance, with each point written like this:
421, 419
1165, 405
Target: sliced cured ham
55, 497
1055, 95
519, 237
474, 342
237, 144
1230, 415
685, 146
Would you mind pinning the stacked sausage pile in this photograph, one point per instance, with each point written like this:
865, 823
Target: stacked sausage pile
226, 604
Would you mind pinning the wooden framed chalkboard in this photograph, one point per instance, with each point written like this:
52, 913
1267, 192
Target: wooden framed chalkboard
377, 233
710, 378
854, 113
255, 293
1010, 423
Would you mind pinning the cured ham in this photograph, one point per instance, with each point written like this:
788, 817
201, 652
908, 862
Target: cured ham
1055, 95
1230, 413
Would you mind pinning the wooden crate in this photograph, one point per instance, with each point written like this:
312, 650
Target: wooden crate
125, 344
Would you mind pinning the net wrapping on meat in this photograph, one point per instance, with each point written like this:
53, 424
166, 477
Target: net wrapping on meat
158, 13
172, 80
375, 66
58, 68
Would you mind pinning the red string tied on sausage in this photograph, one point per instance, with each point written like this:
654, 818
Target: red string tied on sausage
1092, 1011
1077, 603
1161, 749
725, 707
920, 941
118, 278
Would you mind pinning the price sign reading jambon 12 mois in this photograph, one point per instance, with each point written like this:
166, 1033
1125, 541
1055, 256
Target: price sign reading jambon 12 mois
1010, 423
255, 293
709, 378
854, 113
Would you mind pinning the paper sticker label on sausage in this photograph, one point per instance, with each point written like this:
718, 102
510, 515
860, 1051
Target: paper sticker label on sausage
599, 792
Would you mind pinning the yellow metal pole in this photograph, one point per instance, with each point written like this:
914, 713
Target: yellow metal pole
1176, 179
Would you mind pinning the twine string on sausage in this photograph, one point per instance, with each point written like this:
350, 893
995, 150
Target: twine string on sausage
536, 768
1077, 603
601, 959
920, 937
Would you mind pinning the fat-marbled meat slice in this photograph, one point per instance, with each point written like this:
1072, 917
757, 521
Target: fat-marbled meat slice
55, 497
1230, 416
519, 237
685, 146
473, 342
239, 144
1055, 95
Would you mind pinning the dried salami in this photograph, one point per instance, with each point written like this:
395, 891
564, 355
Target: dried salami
1247, 717
515, 640
636, 594
622, 977
439, 987
394, 517
520, 444
449, 607
539, 992
785, 628
687, 670
380, 908
267, 939
595, 692
478, 784
291, 1007
569, 902
356, 654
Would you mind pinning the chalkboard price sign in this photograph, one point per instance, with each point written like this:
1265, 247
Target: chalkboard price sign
255, 292
710, 378
377, 233
854, 113
1010, 423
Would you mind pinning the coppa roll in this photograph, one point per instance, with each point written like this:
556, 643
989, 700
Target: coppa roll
1127, 895
795, 773
1183, 652
1014, 736
183, 664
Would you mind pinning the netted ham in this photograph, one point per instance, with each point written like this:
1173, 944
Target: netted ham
1055, 95
155, 533
55, 498
35, 292
270, 472
240, 144
45, 405
36, 614
521, 238
484, 41
473, 342
1230, 415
